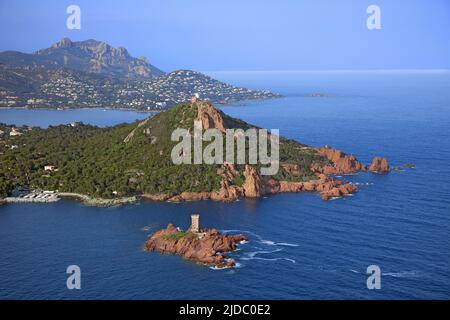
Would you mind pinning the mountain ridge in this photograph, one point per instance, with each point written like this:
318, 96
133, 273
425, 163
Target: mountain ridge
91, 56
93, 74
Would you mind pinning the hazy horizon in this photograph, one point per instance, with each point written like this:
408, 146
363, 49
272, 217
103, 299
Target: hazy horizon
250, 35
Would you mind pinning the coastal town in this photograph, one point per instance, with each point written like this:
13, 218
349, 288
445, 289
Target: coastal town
63, 88
93, 74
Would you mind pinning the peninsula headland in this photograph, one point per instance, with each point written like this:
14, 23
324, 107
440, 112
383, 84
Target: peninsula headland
133, 161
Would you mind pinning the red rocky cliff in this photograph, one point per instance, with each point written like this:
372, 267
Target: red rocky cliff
379, 165
335, 162
255, 185
341, 163
209, 116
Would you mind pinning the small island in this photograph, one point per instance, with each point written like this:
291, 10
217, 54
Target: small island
204, 246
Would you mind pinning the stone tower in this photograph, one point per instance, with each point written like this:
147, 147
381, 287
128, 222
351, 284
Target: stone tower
195, 223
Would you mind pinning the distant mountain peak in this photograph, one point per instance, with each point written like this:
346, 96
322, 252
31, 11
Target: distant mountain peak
92, 73
63, 43
90, 56
91, 47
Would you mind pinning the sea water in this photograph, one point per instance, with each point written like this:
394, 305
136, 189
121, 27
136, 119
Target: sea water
300, 247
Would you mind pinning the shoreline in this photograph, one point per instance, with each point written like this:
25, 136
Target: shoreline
52, 197
203, 246
79, 108
254, 185
239, 103
98, 202
293, 187
35, 196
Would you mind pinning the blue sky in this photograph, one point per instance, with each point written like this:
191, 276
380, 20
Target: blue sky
209, 35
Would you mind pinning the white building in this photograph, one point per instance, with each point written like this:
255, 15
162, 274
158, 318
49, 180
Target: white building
14, 132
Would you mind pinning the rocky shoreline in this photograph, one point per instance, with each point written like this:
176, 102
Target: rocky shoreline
207, 246
326, 185
302, 168
256, 185
99, 202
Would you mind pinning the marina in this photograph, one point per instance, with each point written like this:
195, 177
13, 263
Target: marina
33, 197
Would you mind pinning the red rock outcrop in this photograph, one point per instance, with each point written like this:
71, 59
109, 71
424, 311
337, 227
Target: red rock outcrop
326, 187
193, 196
227, 192
209, 116
206, 247
288, 186
293, 169
343, 189
157, 197
379, 165
341, 163
255, 185
252, 186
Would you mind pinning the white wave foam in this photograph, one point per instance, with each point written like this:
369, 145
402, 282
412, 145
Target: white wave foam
254, 253
236, 265
363, 183
241, 231
270, 259
261, 240
401, 274
253, 256
287, 244
217, 268
270, 243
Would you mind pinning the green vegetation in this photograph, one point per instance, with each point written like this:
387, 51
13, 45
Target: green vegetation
179, 235
97, 162
100, 162
238, 180
292, 152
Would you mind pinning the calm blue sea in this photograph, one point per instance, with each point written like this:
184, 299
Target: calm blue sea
300, 246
